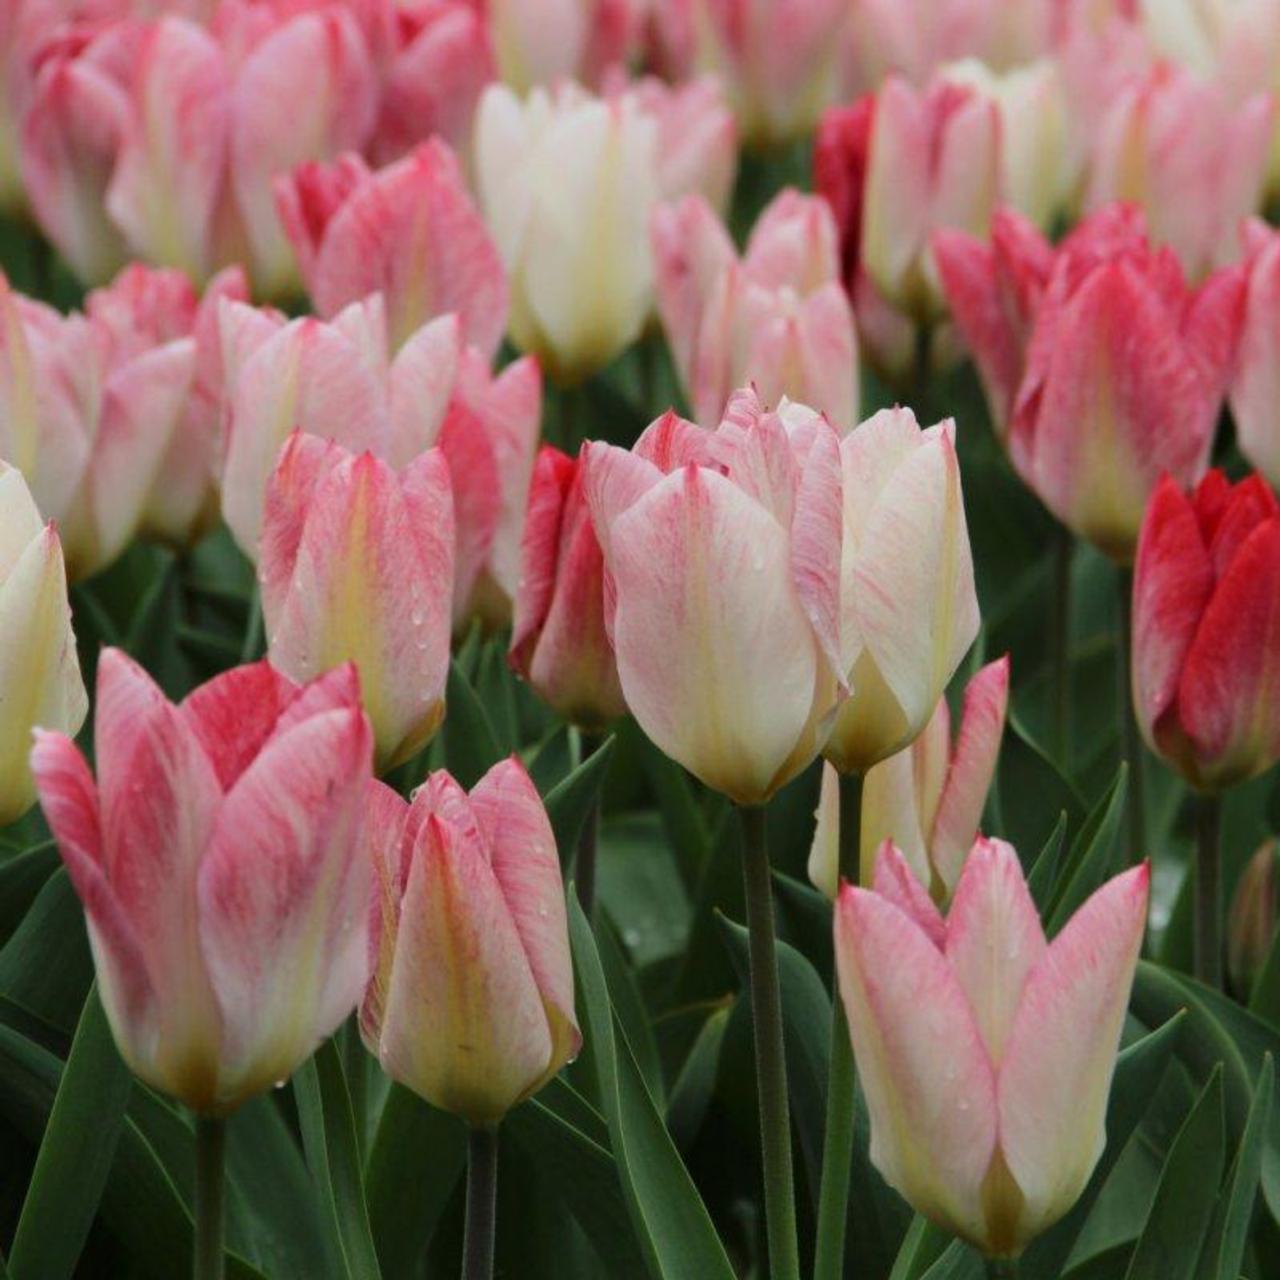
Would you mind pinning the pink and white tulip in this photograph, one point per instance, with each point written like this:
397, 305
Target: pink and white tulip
908, 607
40, 682
220, 862
1255, 384
334, 380
356, 565
1192, 159
559, 642
471, 1000
777, 318
722, 550
1206, 617
547, 41
409, 231
927, 799
985, 1050
89, 420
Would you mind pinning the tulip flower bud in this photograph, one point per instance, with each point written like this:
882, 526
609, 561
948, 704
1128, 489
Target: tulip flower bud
552, 40
1193, 160
558, 640
409, 232
722, 551
219, 860
41, 683
1255, 385
357, 566
1206, 610
567, 183
471, 1000
777, 318
928, 798
1251, 921
907, 601
987, 1083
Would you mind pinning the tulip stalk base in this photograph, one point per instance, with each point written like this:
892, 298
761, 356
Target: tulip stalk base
482, 1204
1130, 738
1207, 891
210, 1201
837, 1147
771, 1062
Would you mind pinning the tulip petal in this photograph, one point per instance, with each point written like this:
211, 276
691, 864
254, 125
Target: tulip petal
890, 811
824, 853
1061, 1050
389, 836
895, 880
553, 474
929, 1085
421, 384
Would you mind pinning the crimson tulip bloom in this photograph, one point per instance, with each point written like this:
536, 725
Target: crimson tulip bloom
1206, 629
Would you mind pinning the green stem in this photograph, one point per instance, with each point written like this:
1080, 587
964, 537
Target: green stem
584, 865
482, 1204
1208, 891
837, 1147
1060, 638
1131, 739
771, 1062
210, 1204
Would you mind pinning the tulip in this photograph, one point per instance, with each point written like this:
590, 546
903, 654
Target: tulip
928, 799
41, 682
471, 1000
567, 183
551, 40
559, 642
897, 167
89, 421
1251, 924
409, 231
777, 318
1194, 161
907, 601
144, 308
1255, 386
986, 1082
357, 566
219, 860
722, 551
1206, 612
1125, 374
333, 380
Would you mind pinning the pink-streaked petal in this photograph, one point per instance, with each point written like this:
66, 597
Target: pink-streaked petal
384, 832
615, 479
553, 473
421, 384
895, 879
890, 812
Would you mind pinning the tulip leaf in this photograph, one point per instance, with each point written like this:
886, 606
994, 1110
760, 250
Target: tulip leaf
76, 1152
1173, 1236
1042, 879
1223, 1255
333, 1155
1264, 999
691, 1093
670, 1221
414, 1164
1091, 856
629, 1009
804, 919
922, 1247
22, 876
470, 744
570, 801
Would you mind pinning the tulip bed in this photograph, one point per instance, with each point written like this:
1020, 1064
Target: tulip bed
640, 639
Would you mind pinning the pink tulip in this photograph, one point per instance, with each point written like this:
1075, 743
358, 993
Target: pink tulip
1194, 161
89, 421
408, 231
559, 642
777, 318
356, 565
220, 864
334, 380
540, 42
908, 607
471, 1000
928, 799
986, 1051
1255, 386
144, 308
1125, 374
1206, 614
723, 591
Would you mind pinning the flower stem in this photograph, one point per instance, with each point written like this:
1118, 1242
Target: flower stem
1131, 740
1060, 656
482, 1204
210, 1203
584, 865
771, 1062
837, 1147
1208, 891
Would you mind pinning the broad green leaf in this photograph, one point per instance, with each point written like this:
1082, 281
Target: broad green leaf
1042, 879
571, 799
22, 876
76, 1153
693, 1087
329, 1135
804, 920
1091, 856
1170, 1243
670, 1221
629, 1008
414, 1164
470, 744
